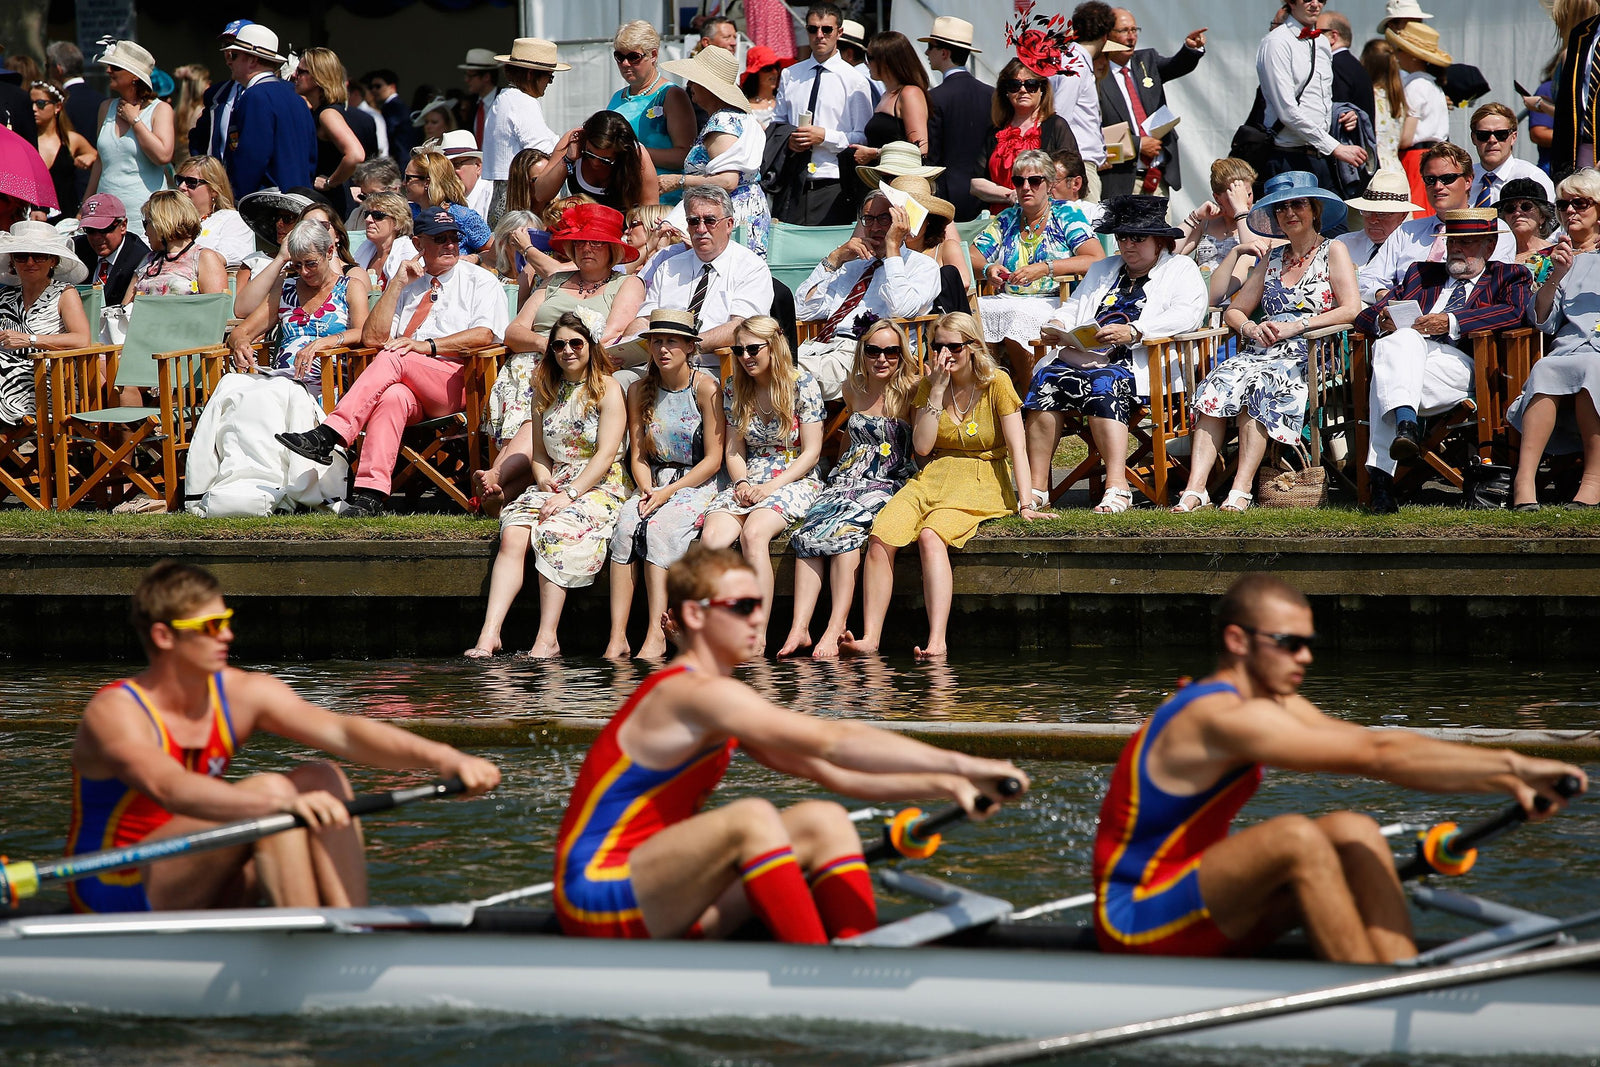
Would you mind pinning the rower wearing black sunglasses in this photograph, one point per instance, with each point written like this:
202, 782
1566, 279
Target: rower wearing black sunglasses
1169, 877
636, 857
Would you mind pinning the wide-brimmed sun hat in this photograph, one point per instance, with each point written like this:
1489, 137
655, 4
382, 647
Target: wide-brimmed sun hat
1295, 185
1136, 215
1387, 190
479, 59
438, 103
670, 323
256, 40
897, 159
1419, 40
44, 239
592, 222
756, 60
716, 71
534, 53
260, 210
128, 56
920, 190
950, 32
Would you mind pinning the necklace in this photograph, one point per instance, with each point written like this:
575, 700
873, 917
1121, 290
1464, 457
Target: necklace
586, 289
646, 91
1294, 262
964, 419
1034, 229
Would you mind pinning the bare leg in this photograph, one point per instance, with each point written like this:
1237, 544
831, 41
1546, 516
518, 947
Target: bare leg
622, 580
1538, 423
755, 540
1252, 449
552, 598
1205, 445
1111, 438
937, 585
505, 582
1589, 429
807, 588
721, 529
655, 591
842, 586
877, 586
338, 857
1368, 865
1043, 429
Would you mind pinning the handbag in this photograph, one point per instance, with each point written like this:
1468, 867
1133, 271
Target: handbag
1486, 485
1303, 488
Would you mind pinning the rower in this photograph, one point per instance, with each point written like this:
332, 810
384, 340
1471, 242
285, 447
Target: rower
151, 750
1170, 879
635, 856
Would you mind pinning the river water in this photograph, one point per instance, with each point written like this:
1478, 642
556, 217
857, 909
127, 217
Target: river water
1036, 850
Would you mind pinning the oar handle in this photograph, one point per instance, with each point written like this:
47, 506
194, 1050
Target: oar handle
372, 802
1456, 845
917, 838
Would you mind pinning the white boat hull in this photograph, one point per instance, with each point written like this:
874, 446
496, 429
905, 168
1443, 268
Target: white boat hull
988, 991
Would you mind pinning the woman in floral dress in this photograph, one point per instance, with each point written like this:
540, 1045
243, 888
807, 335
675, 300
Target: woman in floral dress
567, 516
729, 149
871, 469
1307, 285
774, 441
675, 430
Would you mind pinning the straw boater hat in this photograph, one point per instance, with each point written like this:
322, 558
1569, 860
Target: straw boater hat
897, 159
40, 237
460, 144
1472, 222
592, 222
534, 53
919, 190
256, 40
852, 32
1401, 9
951, 32
1388, 190
479, 59
1295, 185
1134, 215
714, 70
125, 55
670, 323
1420, 41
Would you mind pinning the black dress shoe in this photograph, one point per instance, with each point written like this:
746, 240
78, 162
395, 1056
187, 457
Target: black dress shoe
364, 504
1407, 443
1380, 492
316, 445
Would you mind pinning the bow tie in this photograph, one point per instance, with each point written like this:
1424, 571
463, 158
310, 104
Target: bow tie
1307, 33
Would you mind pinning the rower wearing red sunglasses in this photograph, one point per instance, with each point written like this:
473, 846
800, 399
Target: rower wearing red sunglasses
151, 750
637, 858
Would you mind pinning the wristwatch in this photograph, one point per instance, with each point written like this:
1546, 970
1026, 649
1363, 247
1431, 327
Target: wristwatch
33, 338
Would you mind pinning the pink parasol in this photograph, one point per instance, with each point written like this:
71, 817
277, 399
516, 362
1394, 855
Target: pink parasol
23, 173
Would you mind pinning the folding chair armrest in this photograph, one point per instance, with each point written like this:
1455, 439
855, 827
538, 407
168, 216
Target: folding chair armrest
1204, 334
75, 353
1327, 331
203, 350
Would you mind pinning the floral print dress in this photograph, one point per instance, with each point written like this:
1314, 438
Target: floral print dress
752, 213
569, 548
303, 325
1270, 383
677, 443
872, 468
769, 449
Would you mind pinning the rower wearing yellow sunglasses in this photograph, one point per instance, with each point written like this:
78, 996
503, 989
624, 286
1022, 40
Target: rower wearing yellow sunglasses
151, 751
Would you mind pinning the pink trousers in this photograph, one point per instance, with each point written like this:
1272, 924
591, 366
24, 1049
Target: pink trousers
395, 391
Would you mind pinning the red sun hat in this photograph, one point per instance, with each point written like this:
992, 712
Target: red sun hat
592, 222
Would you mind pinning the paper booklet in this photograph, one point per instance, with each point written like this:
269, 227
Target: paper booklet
1079, 337
1119, 143
1160, 122
916, 214
1404, 313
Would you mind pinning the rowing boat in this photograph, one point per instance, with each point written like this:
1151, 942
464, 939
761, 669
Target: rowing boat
959, 966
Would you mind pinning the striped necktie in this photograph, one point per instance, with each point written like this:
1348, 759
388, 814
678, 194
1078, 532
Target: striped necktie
698, 300
1485, 194
858, 292
1458, 298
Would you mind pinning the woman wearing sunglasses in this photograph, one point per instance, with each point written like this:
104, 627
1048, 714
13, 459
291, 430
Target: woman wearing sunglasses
1025, 254
601, 159
431, 181
39, 309
64, 150
387, 224
676, 430
321, 81
565, 519
1526, 209
1022, 117
872, 467
966, 421
204, 180
774, 442
659, 112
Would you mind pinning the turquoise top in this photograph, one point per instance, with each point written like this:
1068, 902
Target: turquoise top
647, 114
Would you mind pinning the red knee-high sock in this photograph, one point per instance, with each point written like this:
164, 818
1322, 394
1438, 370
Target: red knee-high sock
842, 888
777, 892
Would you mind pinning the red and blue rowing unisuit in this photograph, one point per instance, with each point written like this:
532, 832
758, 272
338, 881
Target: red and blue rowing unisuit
1148, 848
108, 813
617, 806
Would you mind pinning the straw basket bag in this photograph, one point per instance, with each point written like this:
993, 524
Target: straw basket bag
1303, 488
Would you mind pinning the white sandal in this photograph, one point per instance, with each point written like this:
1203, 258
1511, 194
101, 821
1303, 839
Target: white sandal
1115, 502
1202, 499
1237, 501
1041, 499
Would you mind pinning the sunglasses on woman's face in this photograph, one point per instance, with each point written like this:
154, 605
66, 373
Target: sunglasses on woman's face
1299, 203
1017, 85
371, 214
189, 181
576, 344
953, 347
1023, 181
306, 264
628, 57
880, 352
740, 351
30, 257
1580, 204
1519, 207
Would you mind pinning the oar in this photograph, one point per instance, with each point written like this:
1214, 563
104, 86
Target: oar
1447, 850
1355, 993
22, 879
916, 836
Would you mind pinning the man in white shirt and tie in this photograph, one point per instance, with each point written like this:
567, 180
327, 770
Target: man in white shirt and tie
1447, 175
716, 279
828, 102
1494, 136
1294, 65
482, 77
871, 276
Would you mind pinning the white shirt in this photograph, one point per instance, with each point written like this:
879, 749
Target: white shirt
1426, 101
1283, 62
470, 297
1444, 299
844, 104
481, 198
383, 127
904, 286
1078, 102
517, 122
1359, 245
1174, 303
1510, 170
740, 285
226, 233
400, 250
1411, 242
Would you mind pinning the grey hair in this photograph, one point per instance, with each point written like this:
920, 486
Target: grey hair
309, 238
709, 194
67, 56
1036, 160
504, 250
383, 170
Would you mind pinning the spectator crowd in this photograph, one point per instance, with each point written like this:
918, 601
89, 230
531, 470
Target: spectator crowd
986, 268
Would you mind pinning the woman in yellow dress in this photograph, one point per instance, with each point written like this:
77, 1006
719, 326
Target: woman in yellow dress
967, 418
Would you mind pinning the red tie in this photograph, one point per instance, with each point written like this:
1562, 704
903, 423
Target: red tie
857, 293
104, 273
1139, 114
1307, 33
424, 308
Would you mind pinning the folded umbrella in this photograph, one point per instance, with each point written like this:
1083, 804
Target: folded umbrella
23, 173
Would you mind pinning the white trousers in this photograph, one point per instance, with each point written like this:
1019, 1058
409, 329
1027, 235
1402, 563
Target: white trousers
830, 363
1413, 371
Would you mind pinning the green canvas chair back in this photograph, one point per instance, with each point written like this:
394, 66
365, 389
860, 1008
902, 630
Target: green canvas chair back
511, 298
794, 251
970, 229
170, 324
94, 300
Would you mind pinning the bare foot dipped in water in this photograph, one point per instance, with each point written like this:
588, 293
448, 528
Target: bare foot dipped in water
932, 652
850, 645
617, 650
483, 649
654, 647
797, 642
827, 646
542, 650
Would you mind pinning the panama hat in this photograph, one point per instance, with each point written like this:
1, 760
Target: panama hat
44, 239
1388, 190
670, 323
125, 55
897, 159
951, 32
852, 32
479, 59
1401, 9
1295, 185
534, 53
460, 144
256, 40
714, 70
1420, 41
921, 191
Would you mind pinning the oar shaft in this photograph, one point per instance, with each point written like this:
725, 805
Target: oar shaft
1483, 832
932, 824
